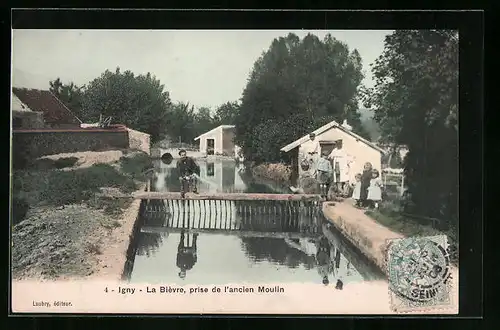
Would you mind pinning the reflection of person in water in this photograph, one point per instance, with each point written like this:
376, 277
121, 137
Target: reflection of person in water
326, 255
328, 260
307, 247
186, 255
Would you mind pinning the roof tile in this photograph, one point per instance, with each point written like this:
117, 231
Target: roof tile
54, 111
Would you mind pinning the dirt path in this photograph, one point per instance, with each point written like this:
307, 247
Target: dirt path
111, 262
89, 158
55, 243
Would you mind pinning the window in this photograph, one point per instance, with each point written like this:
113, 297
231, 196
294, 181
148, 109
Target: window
210, 169
327, 146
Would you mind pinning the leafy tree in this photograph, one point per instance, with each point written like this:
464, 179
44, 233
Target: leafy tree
138, 101
416, 103
69, 94
226, 113
204, 121
181, 126
308, 79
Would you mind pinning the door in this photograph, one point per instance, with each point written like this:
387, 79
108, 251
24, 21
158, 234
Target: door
327, 146
210, 146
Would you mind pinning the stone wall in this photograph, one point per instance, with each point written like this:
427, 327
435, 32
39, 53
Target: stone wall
139, 141
27, 119
28, 145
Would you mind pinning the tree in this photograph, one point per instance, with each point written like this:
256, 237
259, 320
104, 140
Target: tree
306, 80
69, 94
416, 103
139, 102
226, 113
204, 121
181, 126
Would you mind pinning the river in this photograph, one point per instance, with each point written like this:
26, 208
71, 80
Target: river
211, 242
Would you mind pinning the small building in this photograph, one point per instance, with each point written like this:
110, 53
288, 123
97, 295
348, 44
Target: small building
354, 145
218, 141
23, 117
55, 113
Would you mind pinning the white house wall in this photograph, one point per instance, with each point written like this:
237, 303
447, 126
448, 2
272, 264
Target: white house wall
359, 150
217, 136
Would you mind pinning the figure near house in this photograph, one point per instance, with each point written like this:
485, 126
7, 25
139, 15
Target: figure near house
368, 188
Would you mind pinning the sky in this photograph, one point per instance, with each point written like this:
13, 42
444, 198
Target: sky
202, 67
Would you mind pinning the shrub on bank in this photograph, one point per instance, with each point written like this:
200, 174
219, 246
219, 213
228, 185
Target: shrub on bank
277, 172
47, 163
58, 188
136, 164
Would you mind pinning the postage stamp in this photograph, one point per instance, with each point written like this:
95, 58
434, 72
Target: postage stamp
419, 273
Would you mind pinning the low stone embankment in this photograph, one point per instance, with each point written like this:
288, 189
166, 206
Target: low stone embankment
363, 232
366, 234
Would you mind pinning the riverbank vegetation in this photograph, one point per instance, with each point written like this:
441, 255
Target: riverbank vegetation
280, 172
61, 219
289, 93
142, 103
392, 216
415, 102
45, 185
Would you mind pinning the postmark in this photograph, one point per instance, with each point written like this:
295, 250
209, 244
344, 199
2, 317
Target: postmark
419, 273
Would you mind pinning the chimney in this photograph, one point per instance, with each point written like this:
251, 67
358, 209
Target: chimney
346, 125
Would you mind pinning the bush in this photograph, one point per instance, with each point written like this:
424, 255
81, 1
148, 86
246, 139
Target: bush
66, 187
47, 163
65, 162
277, 172
136, 164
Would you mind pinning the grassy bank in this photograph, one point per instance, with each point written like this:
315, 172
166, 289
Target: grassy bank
60, 219
390, 216
45, 184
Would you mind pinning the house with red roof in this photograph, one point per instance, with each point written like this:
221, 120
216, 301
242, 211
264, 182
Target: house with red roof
43, 102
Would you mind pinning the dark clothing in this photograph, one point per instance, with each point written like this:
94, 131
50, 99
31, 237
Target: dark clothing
186, 255
323, 251
365, 183
187, 166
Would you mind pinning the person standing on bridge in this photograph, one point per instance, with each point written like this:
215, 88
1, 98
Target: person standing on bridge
188, 169
186, 255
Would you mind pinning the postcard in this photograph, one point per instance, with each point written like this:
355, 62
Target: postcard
234, 172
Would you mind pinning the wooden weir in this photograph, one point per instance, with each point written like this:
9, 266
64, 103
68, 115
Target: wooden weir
226, 196
233, 215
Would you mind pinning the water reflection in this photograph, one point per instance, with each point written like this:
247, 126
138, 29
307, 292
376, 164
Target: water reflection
186, 253
220, 176
206, 242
